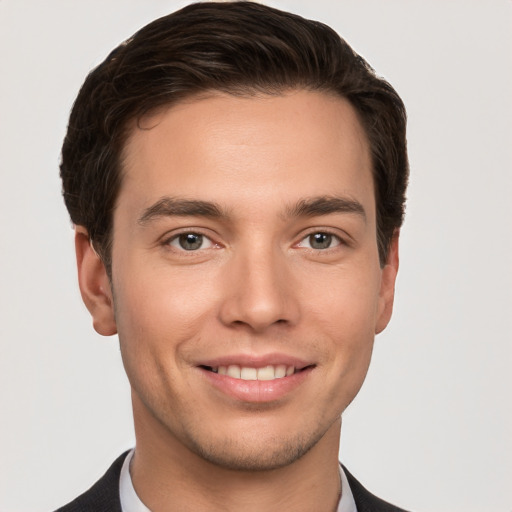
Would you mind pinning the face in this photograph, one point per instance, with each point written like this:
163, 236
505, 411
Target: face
246, 285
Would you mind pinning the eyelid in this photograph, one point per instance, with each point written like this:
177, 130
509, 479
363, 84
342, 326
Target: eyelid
342, 239
170, 237
174, 242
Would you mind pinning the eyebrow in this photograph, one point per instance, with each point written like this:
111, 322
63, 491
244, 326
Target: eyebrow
325, 205
169, 206
310, 207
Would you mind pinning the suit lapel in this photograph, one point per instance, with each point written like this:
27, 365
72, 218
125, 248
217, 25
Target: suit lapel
365, 500
103, 496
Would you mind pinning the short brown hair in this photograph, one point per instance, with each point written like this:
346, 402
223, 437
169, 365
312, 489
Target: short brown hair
240, 48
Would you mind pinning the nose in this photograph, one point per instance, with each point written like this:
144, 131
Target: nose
259, 291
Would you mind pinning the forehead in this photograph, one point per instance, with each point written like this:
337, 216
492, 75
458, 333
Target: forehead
241, 149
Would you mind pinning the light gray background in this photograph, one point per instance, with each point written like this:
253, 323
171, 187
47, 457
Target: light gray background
431, 429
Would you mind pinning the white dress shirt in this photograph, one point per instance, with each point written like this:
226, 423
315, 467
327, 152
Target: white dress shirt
130, 502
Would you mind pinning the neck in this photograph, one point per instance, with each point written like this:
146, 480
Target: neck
167, 476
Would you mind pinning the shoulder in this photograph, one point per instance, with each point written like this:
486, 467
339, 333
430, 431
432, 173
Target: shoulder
103, 495
365, 500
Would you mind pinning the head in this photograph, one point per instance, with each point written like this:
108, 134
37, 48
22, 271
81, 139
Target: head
239, 48
237, 178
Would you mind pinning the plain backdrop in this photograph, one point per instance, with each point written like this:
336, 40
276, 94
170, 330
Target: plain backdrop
431, 428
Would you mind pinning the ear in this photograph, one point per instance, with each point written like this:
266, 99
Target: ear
94, 284
387, 286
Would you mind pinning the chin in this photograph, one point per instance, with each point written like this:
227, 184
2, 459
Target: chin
254, 449
267, 455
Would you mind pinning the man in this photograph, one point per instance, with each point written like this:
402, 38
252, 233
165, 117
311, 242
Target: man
236, 175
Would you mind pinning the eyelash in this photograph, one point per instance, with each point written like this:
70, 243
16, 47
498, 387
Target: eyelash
332, 236
339, 241
168, 242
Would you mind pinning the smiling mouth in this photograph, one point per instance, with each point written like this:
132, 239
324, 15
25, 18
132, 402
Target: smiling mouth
269, 372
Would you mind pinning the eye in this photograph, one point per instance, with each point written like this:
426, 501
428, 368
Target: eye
191, 242
319, 241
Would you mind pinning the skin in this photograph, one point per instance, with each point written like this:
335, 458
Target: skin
258, 285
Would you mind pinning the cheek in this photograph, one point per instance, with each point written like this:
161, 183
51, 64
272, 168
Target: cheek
159, 314
346, 300
345, 313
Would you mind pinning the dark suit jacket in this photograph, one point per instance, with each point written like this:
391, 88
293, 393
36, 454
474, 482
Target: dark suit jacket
103, 496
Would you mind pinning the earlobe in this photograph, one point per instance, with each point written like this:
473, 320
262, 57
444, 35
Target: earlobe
94, 284
387, 286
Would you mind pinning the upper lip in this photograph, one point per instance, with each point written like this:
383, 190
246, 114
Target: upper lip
256, 361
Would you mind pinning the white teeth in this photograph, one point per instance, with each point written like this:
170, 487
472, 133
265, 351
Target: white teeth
247, 373
280, 371
266, 373
234, 371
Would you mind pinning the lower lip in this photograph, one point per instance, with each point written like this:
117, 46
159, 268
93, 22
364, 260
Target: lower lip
256, 391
